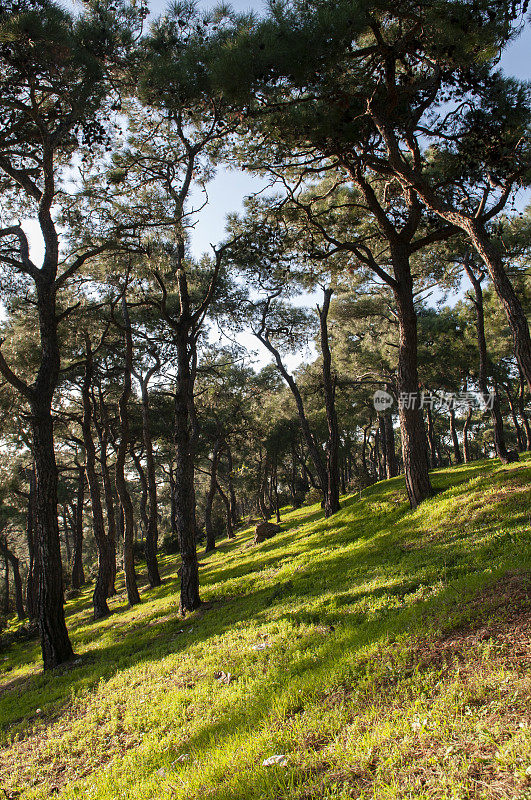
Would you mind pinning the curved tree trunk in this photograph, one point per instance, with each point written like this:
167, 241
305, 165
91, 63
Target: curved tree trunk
503, 287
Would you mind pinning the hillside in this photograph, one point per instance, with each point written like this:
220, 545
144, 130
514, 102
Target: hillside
385, 653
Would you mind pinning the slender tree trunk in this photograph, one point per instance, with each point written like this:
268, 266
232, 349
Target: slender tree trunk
55, 644
518, 429
388, 439
78, 574
491, 402
332, 505
32, 579
143, 504
274, 483
101, 588
66, 531
6, 585
103, 432
152, 531
230, 483
523, 415
309, 439
411, 421
210, 534
466, 445
185, 436
228, 509
516, 316
133, 596
455, 441
12, 560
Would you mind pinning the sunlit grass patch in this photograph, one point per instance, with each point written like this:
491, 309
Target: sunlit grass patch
385, 653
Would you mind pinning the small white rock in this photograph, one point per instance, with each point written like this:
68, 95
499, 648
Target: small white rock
279, 761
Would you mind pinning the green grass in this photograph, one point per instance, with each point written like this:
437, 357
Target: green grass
396, 663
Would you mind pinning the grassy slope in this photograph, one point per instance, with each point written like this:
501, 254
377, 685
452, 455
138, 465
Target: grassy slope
396, 663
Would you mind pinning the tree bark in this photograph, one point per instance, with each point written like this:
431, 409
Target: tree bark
55, 644
414, 445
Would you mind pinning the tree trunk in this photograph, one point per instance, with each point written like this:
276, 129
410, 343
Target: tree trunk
55, 644
185, 437
101, 588
66, 531
78, 574
455, 441
210, 534
6, 585
518, 429
516, 316
332, 505
230, 483
309, 439
414, 445
32, 579
11, 559
466, 427
103, 431
228, 509
522, 412
388, 441
152, 532
491, 403
133, 596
